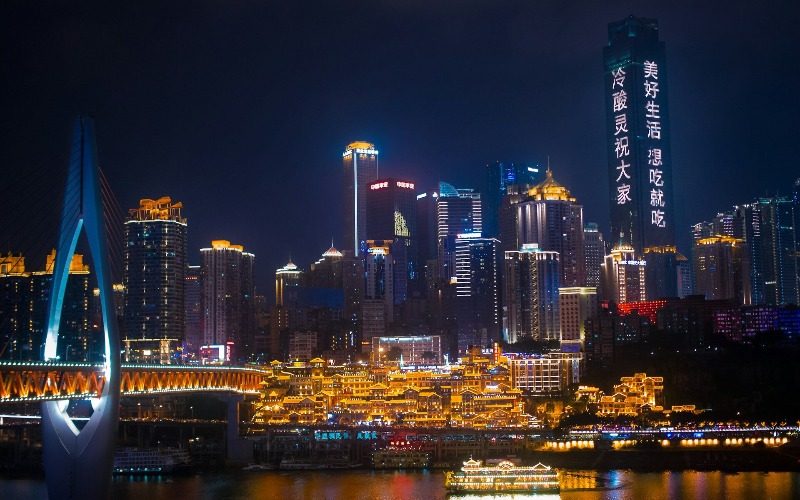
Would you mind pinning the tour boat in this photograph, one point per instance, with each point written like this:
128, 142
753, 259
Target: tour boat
503, 478
150, 460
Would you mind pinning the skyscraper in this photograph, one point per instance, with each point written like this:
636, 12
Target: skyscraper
427, 244
392, 215
379, 290
74, 332
476, 290
458, 211
593, 253
228, 295
720, 269
551, 218
287, 281
155, 270
499, 177
779, 251
623, 276
193, 307
531, 279
360, 160
638, 140
576, 305
15, 284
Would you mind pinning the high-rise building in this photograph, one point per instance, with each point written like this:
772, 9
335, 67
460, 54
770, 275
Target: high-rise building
576, 305
193, 310
509, 217
426, 244
551, 218
477, 312
767, 228
662, 271
638, 137
379, 273
530, 294
74, 342
685, 281
392, 216
779, 251
720, 269
228, 295
458, 211
287, 282
594, 251
155, 270
499, 177
391, 209
15, 283
360, 160
623, 276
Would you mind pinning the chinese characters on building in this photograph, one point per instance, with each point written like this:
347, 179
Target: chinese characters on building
622, 149
654, 159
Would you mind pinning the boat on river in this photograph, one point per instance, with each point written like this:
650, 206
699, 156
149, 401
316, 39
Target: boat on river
505, 477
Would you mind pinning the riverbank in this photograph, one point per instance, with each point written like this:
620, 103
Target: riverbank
709, 459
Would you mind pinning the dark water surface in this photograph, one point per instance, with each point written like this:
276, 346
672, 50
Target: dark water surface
580, 485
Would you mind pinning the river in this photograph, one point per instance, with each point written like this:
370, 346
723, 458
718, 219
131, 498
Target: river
358, 484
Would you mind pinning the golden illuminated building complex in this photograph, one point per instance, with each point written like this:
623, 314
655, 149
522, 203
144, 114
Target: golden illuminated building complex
476, 393
631, 397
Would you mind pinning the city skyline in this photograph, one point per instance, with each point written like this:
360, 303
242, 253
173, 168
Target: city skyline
144, 154
560, 239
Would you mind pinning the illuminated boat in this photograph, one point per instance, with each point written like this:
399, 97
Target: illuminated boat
505, 477
149, 461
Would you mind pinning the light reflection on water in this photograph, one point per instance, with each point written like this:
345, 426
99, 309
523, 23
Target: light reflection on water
584, 485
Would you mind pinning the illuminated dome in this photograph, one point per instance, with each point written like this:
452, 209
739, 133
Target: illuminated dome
550, 189
289, 268
332, 252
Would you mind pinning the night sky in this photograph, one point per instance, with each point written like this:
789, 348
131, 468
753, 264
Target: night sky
241, 109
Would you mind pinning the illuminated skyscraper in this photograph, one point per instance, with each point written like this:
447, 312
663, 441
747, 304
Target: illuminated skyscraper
623, 276
360, 160
779, 251
594, 250
228, 296
392, 215
377, 308
287, 282
15, 284
720, 269
551, 218
476, 290
193, 307
499, 177
74, 333
458, 211
638, 140
530, 294
155, 270
576, 305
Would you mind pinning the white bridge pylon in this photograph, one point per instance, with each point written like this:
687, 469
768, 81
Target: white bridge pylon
78, 463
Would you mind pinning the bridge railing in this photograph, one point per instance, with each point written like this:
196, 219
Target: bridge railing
28, 381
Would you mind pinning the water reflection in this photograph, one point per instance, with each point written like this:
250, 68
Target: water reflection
355, 485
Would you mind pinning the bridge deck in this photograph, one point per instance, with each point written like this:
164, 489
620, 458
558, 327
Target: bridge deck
29, 381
